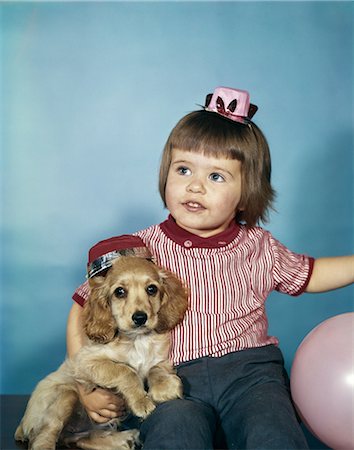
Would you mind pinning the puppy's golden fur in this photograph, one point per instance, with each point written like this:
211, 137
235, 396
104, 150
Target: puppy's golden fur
127, 319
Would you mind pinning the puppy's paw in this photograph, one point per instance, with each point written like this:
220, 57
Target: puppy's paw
131, 437
20, 434
143, 407
167, 388
107, 440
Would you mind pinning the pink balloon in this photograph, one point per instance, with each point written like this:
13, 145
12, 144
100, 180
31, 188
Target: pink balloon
322, 381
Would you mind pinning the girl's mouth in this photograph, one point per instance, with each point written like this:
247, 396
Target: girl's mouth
193, 206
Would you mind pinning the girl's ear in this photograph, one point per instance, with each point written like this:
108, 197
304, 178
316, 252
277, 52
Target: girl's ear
98, 322
174, 302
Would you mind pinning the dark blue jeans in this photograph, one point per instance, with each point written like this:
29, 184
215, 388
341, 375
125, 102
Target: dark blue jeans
238, 401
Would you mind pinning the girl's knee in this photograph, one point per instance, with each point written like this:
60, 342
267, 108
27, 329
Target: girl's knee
179, 424
178, 414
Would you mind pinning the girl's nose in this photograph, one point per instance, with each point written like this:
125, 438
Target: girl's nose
196, 186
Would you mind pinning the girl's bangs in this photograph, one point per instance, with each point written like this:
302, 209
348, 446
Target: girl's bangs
208, 144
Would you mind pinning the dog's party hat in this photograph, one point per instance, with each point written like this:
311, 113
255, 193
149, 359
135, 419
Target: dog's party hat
102, 255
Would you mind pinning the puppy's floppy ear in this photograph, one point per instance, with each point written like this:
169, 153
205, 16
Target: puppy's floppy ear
174, 302
98, 322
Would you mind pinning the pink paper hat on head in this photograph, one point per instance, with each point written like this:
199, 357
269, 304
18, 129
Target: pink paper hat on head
102, 255
233, 104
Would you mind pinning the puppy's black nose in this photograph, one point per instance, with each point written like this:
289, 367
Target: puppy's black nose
139, 318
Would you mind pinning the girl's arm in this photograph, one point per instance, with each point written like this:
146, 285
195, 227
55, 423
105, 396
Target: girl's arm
331, 273
100, 404
75, 336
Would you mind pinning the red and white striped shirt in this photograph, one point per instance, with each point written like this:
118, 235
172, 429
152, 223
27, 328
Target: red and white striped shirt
229, 277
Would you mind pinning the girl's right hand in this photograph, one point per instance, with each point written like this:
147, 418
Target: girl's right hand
102, 405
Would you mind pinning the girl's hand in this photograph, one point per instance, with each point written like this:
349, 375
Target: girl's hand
102, 405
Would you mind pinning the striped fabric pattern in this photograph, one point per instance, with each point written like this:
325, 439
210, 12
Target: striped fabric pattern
228, 287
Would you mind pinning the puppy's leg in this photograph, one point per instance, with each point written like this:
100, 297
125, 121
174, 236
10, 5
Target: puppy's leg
57, 416
48, 409
163, 383
109, 440
119, 378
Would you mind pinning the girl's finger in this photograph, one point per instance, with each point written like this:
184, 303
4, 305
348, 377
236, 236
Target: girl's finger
97, 417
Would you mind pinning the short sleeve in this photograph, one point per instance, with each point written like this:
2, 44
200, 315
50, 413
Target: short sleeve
291, 271
82, 293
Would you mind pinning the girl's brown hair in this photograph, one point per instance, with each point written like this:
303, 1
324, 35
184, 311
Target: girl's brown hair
213, 135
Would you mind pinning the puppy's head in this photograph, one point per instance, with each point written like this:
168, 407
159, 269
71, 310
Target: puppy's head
135, 297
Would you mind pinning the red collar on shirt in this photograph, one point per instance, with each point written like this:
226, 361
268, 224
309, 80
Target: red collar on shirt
189, 240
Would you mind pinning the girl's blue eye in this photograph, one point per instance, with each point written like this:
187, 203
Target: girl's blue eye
216, 177
183, 170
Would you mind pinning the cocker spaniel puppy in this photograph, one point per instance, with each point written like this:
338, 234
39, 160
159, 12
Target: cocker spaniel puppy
127, 319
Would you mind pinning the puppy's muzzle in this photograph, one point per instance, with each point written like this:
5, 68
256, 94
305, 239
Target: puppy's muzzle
139, 318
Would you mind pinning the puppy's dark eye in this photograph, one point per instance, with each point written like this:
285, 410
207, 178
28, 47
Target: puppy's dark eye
151, 289
120, 292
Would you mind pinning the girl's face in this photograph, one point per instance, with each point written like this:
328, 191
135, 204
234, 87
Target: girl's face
203, 192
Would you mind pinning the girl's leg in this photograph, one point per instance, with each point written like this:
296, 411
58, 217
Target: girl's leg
179, 424
263, 419
262, 416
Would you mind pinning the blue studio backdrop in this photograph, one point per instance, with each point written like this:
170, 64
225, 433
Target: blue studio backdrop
90, 92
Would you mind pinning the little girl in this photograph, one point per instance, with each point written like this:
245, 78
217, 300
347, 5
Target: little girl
215, 182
